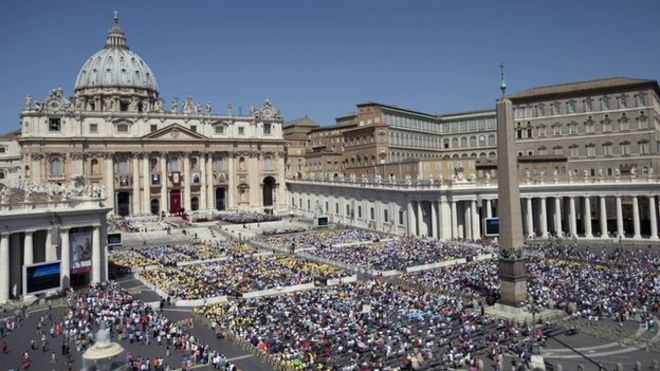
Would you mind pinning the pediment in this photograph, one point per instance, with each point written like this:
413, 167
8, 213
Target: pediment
174, 132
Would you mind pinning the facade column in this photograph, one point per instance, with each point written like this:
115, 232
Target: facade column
421, 226
136, 186
4, 268
28, 248
489, 208
603, 218
163, 184
255, 184
110, 182
544, 218
558, 227
434, 220
653, 218
467, 220
412, 223
15, 274
231, 178
529, 218
586, 216
454, 220
96, 254
635, 212
146, 185
475, 222
50, 252
65, 271
445, 219
572, 217
187, 179
201, 163
282, 199
619, 218
210, 189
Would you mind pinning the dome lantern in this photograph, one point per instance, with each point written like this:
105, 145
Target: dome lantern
116, 37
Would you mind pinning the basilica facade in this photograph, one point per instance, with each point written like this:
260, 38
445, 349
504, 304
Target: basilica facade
117, 132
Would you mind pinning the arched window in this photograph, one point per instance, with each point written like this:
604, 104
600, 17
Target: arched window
491, 140
219, 163
56, 167
454, 143
2, 175
268, 163
464, 142
241, 164
473, 141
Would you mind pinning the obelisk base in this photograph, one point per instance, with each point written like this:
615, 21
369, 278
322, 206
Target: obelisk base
513, 281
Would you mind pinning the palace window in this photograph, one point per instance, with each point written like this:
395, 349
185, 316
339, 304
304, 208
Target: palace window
588, 104
604, 103
266, 129
589, 126
623, 101
122, 128
540, 110
93, 128
575, 151
219, 129
570, 106
219, 164
193, 128
241, 130
153, 128
542, 131
359, 212
174, 164
640, 99
372, 213
94, 167
385, 216
644, 147
555, 108
607, 149
591, 150
54, 124
268, 163
607, 124
625, 148
623, 123
122, 165
572, 128
556, 130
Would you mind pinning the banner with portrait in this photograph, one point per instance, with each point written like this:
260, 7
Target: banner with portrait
81, 249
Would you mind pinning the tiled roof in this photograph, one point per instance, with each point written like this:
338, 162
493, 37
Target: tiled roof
572, 87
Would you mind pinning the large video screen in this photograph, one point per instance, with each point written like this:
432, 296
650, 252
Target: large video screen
323, 221
114, 239
41, 277
492, 227
81, 250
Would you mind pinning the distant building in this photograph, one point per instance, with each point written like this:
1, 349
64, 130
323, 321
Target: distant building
10, 160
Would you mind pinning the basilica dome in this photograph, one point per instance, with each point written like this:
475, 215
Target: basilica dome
116, 66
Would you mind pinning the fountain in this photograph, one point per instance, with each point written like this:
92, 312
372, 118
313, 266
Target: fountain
100, 356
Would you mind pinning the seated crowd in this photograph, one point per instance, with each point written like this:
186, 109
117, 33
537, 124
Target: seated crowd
278, 231
366, 326
324, 238
245, 217
399, 254
598, 291
140, 224
237, 276
170, 255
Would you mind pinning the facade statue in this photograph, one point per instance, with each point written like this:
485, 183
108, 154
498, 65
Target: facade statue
188, 105
28, 102
209, 109
174, 105
230, 110
198, 108
158, 105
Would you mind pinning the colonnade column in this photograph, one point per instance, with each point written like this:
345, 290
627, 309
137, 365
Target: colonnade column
96, 254
586, 217
255, 190
529, 218
653, 218
201, 163
572, 217
28, 248
603, 218
445, 219
434, 220
467, 220
187, 179
635, 212
619, 218
454, 220
210, 189
476, 225
65, 271
136, 186
489, 209
281, 181
544, 218
51, 254
421, 226
4, 268
230, 181
412, 225
110, 181
163, 183
558, 228
146, 188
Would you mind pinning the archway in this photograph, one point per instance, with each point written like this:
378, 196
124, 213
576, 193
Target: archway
220, 198
194, 203
155, 207
124, 203
268, 187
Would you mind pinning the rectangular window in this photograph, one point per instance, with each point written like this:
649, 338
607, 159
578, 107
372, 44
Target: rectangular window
644, 148
556, 130
54, 124
348, 210
359, 211
193, 128
570, 106
241, 130
219, 129
309, 205
625, 149
575, 151
572, 129
3, 149
400, 217
624, 125
154, 128
337, 208
604, 103
589, 128
122, 128
266, 129
591, 151
93, 128
385, 216
300, 202
327, 207
588, 105
555, 108
607, 150
293, 202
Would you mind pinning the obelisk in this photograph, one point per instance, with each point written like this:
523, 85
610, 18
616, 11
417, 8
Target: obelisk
512, 259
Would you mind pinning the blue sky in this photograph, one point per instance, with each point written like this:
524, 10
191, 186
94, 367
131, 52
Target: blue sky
322, 57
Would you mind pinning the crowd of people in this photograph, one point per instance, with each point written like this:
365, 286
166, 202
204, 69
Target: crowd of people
368, 325
170, 255
564, 277
278, 231
320, 238
400, 253
235, 277
141, 224
245, 217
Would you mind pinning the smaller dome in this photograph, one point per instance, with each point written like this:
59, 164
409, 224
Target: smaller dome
116, 66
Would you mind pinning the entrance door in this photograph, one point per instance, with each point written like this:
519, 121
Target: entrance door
124, 203
155, 207
175, 201
219, 198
